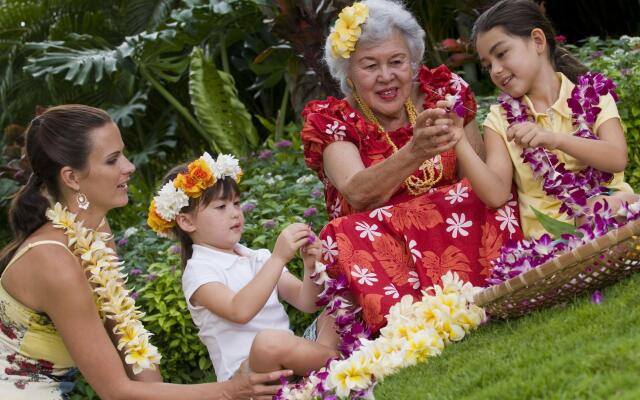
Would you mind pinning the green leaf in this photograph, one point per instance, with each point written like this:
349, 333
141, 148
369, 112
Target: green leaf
78, 65
123, 114
555, 228
219, 110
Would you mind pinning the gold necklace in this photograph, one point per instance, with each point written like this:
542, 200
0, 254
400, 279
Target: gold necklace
415, 185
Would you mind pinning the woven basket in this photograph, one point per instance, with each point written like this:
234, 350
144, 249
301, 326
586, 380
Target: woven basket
591, 266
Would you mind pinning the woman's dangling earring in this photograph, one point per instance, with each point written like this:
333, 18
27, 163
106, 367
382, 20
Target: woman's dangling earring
82, 200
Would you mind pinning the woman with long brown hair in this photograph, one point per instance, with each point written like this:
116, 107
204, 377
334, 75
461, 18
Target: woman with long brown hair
62, 303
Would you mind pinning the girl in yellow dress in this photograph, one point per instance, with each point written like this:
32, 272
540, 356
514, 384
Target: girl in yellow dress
541, 135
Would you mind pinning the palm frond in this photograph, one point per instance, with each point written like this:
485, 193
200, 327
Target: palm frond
78, 65
146, 15
215, 101
124, 114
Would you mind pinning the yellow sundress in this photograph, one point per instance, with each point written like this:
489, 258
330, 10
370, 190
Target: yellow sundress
34, 362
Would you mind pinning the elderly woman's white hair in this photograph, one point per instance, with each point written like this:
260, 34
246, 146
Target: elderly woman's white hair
385, 17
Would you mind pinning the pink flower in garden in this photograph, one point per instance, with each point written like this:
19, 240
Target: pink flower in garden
316, 193
248, 206
560, 39
310, 211
283, 144
264, 154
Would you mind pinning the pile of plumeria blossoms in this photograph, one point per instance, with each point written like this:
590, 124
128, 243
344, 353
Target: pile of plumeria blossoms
107, 278
519, 257
414, 332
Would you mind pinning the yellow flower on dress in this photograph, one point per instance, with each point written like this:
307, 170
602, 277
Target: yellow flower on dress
346, 31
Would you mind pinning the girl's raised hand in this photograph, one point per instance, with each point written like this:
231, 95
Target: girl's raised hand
292, 238
311, 252
528, 134
445, 105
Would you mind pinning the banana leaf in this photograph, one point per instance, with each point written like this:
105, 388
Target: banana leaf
218, 109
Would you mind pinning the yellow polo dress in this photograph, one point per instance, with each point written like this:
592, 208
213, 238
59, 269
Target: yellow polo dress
556, 119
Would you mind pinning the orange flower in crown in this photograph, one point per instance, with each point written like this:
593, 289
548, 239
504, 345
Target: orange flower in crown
174, 195
198, 177
156, 222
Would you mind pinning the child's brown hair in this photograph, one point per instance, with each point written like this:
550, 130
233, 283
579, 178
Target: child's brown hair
224, 189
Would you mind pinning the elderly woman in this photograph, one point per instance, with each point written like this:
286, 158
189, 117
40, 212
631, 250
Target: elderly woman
400, 216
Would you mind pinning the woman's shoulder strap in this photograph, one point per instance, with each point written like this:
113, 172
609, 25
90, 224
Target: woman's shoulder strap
29, 246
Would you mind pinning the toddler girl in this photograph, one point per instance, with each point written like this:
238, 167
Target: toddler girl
232, 291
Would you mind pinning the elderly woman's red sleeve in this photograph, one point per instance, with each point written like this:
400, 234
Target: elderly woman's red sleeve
437, 82
325, 122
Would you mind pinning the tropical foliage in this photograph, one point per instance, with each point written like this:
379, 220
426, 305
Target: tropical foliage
183, 76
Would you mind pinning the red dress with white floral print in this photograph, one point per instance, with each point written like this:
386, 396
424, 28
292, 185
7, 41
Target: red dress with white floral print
408, 244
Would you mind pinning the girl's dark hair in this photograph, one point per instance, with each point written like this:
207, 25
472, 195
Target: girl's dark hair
57, 138
223, 189
519, 18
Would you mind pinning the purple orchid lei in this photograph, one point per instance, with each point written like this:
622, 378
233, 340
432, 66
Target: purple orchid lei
519, 257
573, 189
350, 329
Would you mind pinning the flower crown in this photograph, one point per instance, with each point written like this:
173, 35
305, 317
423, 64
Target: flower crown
201, 174
346, 31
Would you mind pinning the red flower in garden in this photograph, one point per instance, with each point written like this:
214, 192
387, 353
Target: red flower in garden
560, 39
452, 45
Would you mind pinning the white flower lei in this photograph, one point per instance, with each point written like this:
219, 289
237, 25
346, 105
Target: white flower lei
107, 278
415, 331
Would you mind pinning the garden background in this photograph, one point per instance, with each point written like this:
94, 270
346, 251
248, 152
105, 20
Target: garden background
183, 76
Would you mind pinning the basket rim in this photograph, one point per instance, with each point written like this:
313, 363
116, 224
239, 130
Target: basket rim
556, 264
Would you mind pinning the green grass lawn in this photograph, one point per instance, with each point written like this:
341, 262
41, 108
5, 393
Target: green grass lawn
579, 350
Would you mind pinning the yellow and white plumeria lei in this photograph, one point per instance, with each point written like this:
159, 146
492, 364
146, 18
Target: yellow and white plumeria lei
112, 298
414, 332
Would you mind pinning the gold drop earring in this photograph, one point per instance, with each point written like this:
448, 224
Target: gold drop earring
351, 85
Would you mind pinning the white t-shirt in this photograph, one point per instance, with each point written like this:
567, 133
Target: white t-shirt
229, 343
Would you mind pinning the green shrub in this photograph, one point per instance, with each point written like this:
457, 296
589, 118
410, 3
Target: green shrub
184, 358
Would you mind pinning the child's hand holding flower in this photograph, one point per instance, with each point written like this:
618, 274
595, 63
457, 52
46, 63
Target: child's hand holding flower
447, 105
292, 238
528, 134
311, 252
